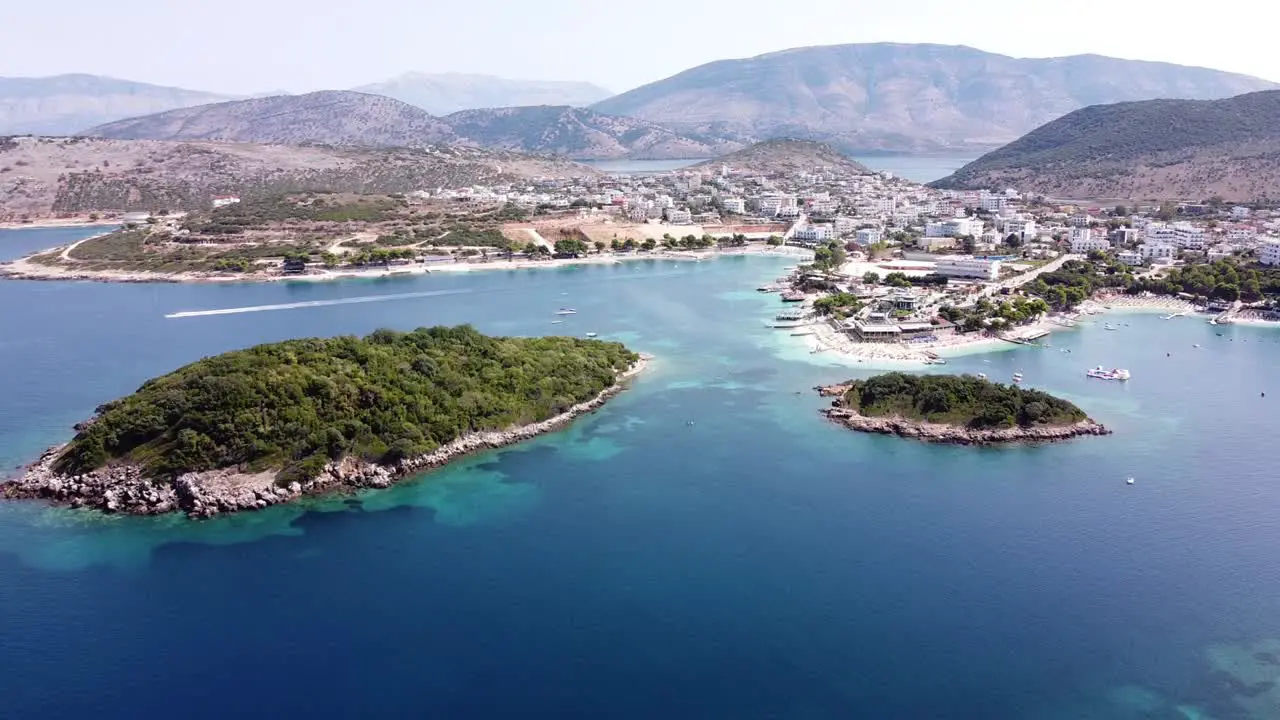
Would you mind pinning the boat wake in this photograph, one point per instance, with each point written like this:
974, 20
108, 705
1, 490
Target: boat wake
313, 303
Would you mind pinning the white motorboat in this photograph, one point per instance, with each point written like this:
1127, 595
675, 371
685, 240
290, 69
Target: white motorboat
1103, 374
566, 311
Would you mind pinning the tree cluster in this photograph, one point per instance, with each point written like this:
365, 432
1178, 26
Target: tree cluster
295, 405
958, 400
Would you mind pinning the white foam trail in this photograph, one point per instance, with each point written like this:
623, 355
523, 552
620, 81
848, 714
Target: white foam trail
313, 303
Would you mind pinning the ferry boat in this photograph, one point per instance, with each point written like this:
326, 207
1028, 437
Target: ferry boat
566, 311
591, 335
1017, 378
1103, 374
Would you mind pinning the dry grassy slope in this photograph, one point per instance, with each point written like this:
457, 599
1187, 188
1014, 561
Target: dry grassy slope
325, 118
1157, 149
578, 133
43, 176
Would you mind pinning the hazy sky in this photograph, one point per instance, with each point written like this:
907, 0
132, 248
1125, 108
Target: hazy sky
244, 46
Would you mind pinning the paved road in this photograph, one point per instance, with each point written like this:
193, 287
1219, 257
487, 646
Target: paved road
1026, 277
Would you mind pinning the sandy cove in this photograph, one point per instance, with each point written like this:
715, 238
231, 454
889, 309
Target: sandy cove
24, 269
123, 489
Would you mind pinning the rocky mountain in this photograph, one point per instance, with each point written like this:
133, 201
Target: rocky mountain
578, 133
900, 97
1157, 149
444, 93
66, 104
331, 117
789, 157
52, 176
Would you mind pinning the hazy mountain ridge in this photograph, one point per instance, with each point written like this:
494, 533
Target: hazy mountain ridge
43, 176
330, 117
578, 133
789, 156
445, 93
901, 97
1188, 149
66, 104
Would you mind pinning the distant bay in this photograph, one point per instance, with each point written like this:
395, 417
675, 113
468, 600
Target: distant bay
917, 168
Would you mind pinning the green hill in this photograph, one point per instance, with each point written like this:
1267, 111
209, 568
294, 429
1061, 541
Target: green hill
293, 406
1154, 149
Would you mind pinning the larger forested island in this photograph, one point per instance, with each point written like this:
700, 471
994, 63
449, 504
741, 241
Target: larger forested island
960, 409
271, 423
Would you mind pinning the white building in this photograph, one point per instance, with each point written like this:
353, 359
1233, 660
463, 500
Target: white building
1160, 234
1124, 236
955, 227
735, 205
1157, 252
1269, 253
1081, 220
867, 236
992, 203
1024, 228
824, 207
1083, 241
224, 200
1240, 212
1221, 251
962, 266
815, 233
1241, 234
676, 216
845, 225
1188, 236
770, 205
1129, 257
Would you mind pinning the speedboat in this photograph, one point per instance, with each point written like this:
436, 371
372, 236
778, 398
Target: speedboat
566, 311
556, 322
591, 335
1017, 377
1103, 374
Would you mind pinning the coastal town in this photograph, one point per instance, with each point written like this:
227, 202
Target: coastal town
886, 269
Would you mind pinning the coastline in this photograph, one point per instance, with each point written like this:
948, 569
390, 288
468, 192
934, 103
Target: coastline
23, 269
956, 435
124, 490
83, 221
831, 343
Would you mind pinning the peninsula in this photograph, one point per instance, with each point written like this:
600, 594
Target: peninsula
957, 409
273, 423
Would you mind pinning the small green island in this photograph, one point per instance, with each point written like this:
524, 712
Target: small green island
272, 423
956, 409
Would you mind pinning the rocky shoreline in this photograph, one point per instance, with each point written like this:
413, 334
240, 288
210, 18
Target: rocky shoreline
952, 434
123, 489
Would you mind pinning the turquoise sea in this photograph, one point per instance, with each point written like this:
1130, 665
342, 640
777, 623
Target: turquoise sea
757, 563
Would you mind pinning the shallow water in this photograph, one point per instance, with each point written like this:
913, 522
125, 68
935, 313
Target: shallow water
757, 563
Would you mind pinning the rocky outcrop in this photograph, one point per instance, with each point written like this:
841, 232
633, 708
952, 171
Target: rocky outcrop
960, 435
124, 489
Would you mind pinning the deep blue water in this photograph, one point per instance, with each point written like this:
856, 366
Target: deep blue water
759, 563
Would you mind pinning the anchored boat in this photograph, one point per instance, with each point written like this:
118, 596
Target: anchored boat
1103, 374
